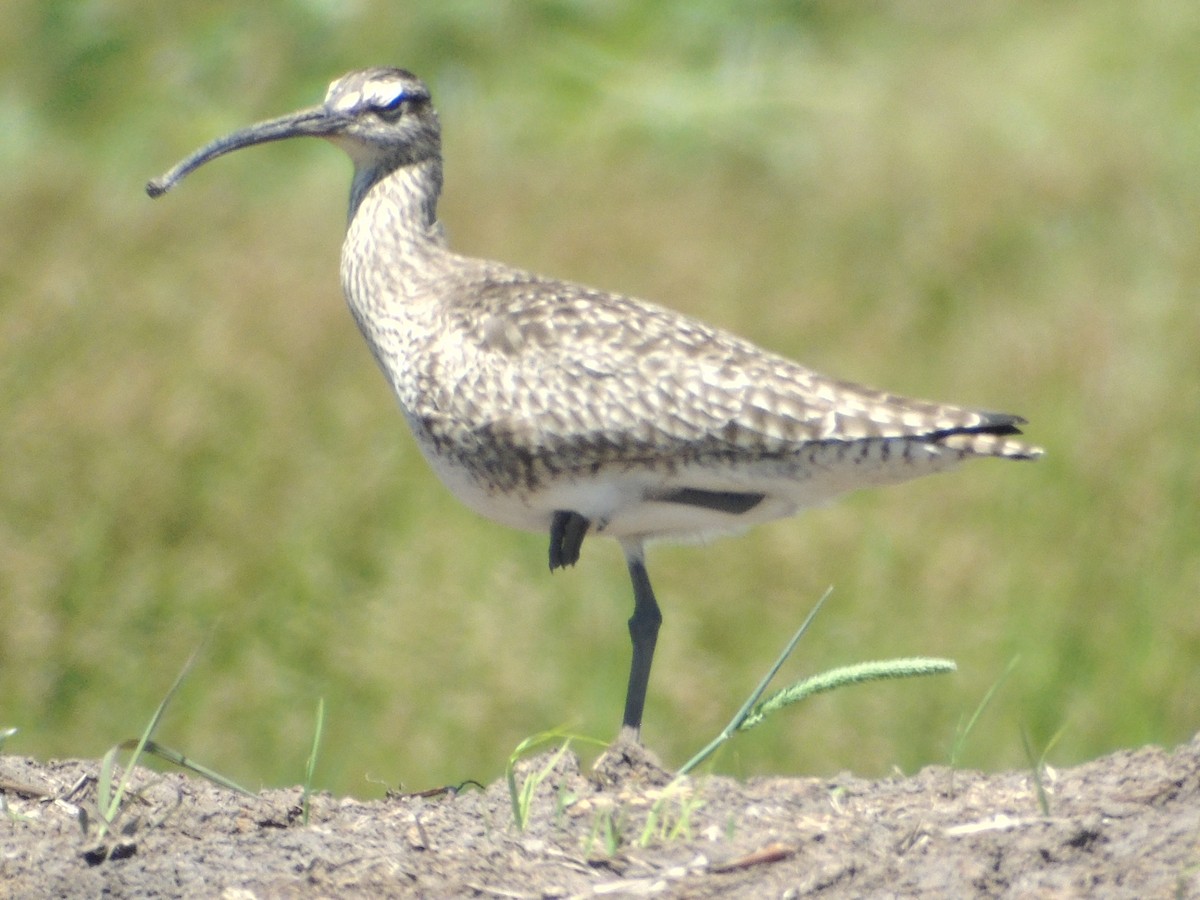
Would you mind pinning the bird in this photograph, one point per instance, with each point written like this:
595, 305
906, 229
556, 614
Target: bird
553, 407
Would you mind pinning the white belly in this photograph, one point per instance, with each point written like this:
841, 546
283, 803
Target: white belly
615, 500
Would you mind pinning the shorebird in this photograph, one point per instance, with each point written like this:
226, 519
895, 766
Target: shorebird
554, 407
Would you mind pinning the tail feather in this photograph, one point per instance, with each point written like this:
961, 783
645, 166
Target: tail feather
990, 437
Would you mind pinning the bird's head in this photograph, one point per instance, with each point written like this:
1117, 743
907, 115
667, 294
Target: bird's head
382, 117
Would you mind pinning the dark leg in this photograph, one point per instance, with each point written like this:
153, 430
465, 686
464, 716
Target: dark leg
643, 632
566, 537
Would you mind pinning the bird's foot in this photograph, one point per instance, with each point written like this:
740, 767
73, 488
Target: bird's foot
627, 762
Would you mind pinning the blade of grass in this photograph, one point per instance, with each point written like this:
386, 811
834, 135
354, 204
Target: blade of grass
741, 714
522, 797
1038, 765
1035, 766
109, 800
964, 731
312, 759
176, 758
755, 710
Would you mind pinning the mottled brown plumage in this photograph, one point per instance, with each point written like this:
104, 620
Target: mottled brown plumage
552, 406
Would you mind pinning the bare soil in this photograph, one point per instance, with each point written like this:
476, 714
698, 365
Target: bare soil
1127, 825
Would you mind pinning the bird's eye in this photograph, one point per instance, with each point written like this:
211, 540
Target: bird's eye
393, 109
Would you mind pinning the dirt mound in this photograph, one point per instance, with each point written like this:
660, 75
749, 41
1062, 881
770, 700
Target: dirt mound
1127, 825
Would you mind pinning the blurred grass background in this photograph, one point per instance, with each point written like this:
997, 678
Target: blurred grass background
994, 204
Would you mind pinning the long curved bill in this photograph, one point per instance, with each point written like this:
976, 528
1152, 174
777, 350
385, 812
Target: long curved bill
317, 121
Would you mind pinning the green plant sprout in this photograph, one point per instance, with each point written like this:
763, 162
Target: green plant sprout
667, 825
964, 730
310, 768
110, 798
522, 797
1038, 766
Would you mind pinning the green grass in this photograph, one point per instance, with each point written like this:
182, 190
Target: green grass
115, 792
992, 205
310, 768
521, 794
757, 709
